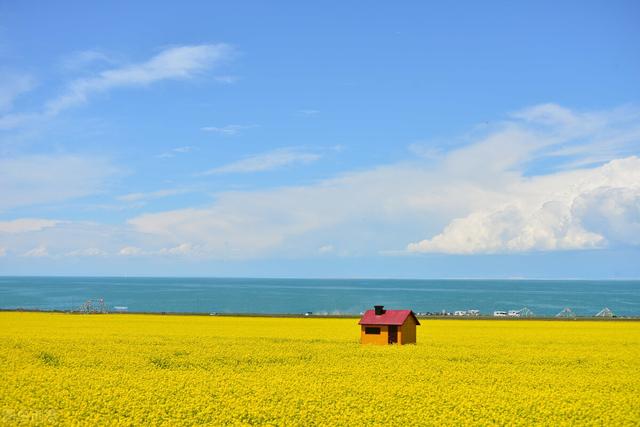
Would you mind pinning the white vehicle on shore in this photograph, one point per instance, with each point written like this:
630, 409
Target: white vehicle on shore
460, 313
498, 313
514, 313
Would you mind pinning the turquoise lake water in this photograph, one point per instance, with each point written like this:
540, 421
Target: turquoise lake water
321, 296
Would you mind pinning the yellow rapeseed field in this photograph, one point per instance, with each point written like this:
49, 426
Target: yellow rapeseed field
184, 370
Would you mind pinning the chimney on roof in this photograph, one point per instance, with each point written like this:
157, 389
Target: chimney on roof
379, 309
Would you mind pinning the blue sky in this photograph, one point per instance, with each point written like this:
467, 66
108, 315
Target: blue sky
320, 140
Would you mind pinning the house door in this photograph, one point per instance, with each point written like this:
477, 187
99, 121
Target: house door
393, 334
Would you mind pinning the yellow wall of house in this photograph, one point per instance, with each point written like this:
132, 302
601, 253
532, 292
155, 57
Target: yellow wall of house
407, 332
381, 339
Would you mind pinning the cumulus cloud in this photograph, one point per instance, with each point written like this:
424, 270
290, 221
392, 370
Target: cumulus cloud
266, 161
580, 210
612, 211
511, 229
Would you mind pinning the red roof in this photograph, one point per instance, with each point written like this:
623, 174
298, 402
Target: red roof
389, 317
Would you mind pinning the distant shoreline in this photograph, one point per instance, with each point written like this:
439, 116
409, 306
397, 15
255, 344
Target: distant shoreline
404, 279
325, 316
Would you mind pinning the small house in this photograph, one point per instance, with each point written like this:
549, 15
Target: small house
380, 326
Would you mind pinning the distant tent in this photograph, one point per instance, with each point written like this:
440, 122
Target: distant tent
566, 313
525, 312
605, 312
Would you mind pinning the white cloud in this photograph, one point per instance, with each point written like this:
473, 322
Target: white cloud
349, 210
425, 151
181, 249
88, 252
131, 251
226, 79
582, 209
25, 225
309, 113
548, 114
483, 197
266, 161
3, 251
82, 59
178, 150
14, 120
175, 63
511, 230
38, 179
37, 252
185, 149
476, 199
612, 211
326, 249
228, 130
73, 239
138, 197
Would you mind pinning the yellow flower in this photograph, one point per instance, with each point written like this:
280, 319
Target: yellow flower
58, 369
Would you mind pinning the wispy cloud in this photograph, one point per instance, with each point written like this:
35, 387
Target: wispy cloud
11, 87
309, 113
226, 79
175, 63
85, 58
25, 225
228, 130
267, 161
38, 179
174, 151
138, 197
425, 151
131, 251
37, 252
326, 249
88, 252
181, 249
